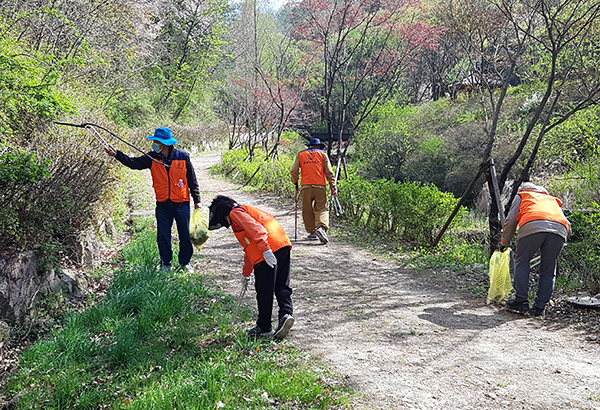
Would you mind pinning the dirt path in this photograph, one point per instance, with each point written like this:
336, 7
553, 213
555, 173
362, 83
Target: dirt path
405, 340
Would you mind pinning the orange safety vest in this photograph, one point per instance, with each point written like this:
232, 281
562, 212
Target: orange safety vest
311, 164
536, 206
170, 183
277, 237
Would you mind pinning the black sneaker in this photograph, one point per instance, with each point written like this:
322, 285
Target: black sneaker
285, 324
536, 311
258, 332
519, 307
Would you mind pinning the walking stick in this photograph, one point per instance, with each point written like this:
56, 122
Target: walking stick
296, 216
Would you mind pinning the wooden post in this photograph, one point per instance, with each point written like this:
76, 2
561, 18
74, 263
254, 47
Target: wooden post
496, 191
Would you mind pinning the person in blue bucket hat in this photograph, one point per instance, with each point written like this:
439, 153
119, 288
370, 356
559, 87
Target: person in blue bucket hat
163, 135
174, 182
313, 168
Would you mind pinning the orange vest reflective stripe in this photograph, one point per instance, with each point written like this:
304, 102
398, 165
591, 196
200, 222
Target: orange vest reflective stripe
171, 184
311, 165
277, 237
536, 206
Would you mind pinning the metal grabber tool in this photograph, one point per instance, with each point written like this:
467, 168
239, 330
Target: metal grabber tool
239, 300
336, 205
93, 129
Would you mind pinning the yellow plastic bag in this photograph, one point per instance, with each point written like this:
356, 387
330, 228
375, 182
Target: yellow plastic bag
199, 232
500, 283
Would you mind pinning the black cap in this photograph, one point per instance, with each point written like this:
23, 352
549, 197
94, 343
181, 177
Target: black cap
220, 207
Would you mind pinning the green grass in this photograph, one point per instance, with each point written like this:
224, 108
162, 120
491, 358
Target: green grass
164, 340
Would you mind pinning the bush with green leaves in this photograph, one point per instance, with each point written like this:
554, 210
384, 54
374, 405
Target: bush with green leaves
72, 173
258, 173
29, 96
576, 144
410, 211
440, 142
580, 260
19, 170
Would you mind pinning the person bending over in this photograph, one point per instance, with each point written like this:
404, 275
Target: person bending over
267, 253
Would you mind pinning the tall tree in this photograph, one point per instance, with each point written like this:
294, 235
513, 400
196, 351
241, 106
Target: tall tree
556, 39
266, 76
364, 48
187, 50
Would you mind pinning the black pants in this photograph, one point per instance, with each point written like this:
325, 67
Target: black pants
273, 281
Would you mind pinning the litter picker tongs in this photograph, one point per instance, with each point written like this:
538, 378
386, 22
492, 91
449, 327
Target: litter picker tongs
92, 128
336, 205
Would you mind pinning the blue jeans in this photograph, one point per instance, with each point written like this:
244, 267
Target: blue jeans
549, 245
164, 222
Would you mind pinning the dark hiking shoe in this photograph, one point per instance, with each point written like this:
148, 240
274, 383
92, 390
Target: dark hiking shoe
536, 311
322, 235
285, 324
312, 237
518, 307
164, 268
258, 332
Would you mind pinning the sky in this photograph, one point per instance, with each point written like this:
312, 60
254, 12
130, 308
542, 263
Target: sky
275, 4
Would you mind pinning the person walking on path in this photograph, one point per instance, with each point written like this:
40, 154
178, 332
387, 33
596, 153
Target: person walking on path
174, 181
541, 226
315, 169
267, 253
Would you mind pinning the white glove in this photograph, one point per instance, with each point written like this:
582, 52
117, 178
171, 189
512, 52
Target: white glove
270, 258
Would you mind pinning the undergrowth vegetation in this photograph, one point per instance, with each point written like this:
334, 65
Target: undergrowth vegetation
407, 216
580, 260
161, 340
410, 213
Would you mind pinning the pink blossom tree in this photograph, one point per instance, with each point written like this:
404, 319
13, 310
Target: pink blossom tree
363, 48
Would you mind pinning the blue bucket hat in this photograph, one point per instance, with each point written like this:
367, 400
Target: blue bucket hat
163, 135
315, 142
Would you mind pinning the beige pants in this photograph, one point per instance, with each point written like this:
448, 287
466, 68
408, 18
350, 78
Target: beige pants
315, 207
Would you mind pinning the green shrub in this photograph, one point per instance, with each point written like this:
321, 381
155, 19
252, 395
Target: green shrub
411, 211
276, 177
258, 173
439, 142
576, 143
18, 167
68, 175
580, 260
29, 96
